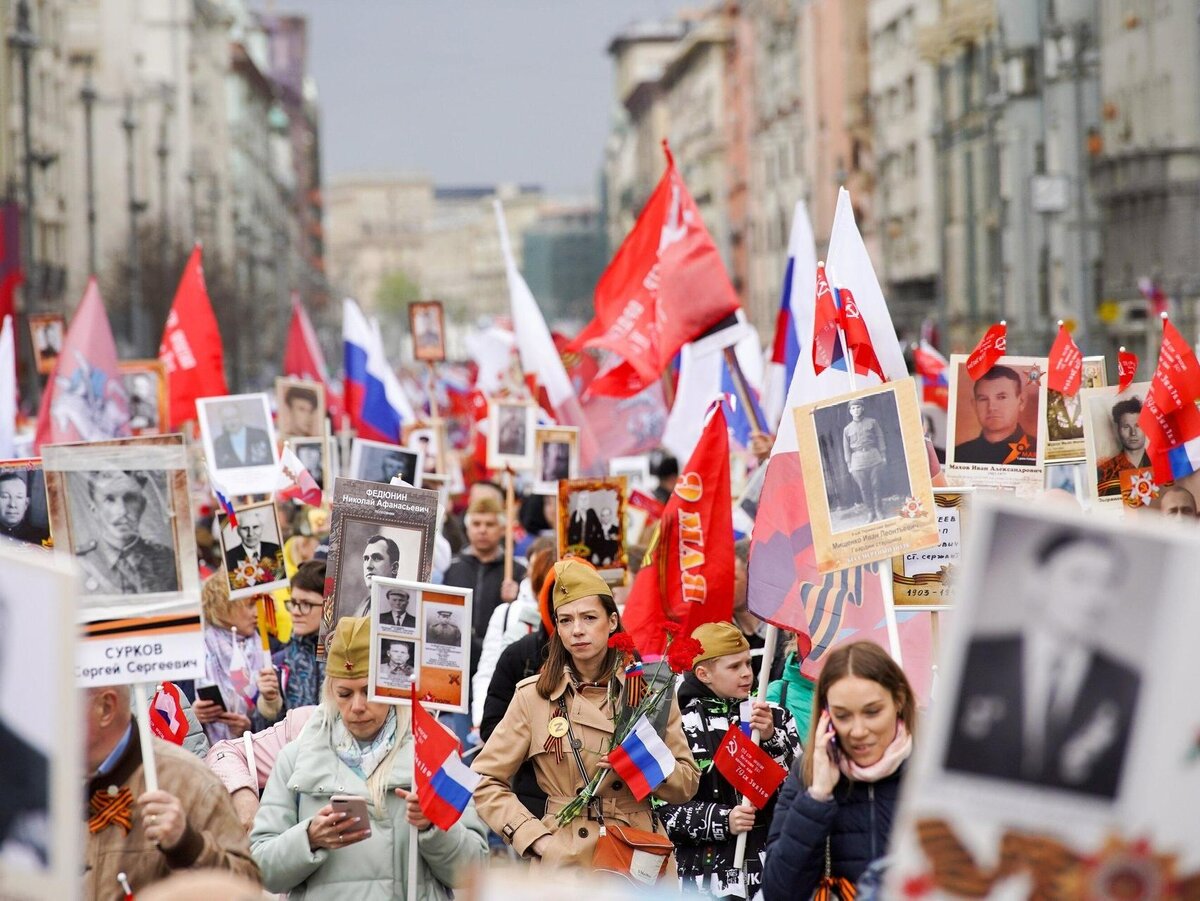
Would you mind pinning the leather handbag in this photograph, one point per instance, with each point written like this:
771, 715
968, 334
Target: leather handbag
637, 855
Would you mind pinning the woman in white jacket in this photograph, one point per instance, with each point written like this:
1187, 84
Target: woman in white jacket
511, 621
356, 747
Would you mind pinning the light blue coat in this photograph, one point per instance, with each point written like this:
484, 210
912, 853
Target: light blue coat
307, 772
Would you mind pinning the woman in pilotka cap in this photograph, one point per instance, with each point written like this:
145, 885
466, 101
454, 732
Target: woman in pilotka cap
574, 696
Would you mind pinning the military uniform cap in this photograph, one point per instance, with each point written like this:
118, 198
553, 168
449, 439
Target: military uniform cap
350, 649
575, 579
718, 640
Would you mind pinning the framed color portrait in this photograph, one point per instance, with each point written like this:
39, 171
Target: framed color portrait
253, 551
427, 323
300, 408
512, 426
375, 530
997, 425
866, 475
590, 517
47, 332
1115, 446
421, 637
146, 386
239, 442
1065, 415
555, 457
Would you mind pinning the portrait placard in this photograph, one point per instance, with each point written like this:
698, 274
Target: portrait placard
375, 530
590, 513
239, 443
24, 512
378, 461
40, 723
923, 580
866, 475
1113, 441
556, 456
121, 507
146, 386
47, 331
1064, 415
427, 322
512, 427
314, 454
1061, 734
636, 471
300, 406
431, 440
253, 551
431, 646
997, 425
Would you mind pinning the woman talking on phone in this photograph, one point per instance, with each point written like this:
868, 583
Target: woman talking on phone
834, 813
562, 721
335, 814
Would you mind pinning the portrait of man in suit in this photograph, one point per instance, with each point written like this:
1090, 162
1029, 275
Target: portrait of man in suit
254, 528
381, 557
396, 615
605, 542
238, 444
1048, 704
583, 527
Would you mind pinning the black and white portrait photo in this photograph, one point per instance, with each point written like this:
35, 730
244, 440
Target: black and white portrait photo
510, 421
511, 435
121, 531
145, 385
556, 456
239, 442
593, 525
426, 322
428, 442
23, 513
398, 666
300, 406
47, 330
442, 626
862, 460
253, 551
555, 461
376, 461
311, 452
369, 550
397, 611
1052, 669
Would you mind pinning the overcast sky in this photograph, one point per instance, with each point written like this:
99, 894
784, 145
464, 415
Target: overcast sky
468, 91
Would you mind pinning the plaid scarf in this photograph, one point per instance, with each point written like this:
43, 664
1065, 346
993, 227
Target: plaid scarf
305, 672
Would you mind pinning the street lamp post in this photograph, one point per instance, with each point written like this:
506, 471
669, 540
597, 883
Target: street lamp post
88, 96
136, 313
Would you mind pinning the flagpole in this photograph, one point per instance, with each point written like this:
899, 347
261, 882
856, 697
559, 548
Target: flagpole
414, 854
742, 388
141, 703
509, 511
433, 404
764, 679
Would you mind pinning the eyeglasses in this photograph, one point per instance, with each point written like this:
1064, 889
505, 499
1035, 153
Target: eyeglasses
303, 608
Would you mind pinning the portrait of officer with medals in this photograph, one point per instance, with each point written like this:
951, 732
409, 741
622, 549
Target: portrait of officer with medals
122, 532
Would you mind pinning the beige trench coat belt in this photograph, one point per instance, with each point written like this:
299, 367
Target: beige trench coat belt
621, 809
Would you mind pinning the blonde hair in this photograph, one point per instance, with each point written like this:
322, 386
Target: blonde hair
486, 506
214, 600
377, 781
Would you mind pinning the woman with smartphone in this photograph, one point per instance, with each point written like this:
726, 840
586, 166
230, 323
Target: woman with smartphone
335, 814
835, 811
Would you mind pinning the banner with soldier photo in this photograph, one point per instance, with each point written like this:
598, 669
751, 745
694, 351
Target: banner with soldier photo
239, 443
866, 475
1118, 471
121, 508
997, 425
590, 514
420, 636
24, 513
1058, 759
40, 726
1065, 415
375, 530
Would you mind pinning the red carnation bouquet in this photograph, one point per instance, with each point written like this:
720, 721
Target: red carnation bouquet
636, 700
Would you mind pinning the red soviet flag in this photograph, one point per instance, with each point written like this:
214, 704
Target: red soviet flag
85, 398
191, 345
1065, 364
665, 286
690, 580
1177, 377
826, 321
858, 338
991, 347
1127, 364
748, 768
303, 359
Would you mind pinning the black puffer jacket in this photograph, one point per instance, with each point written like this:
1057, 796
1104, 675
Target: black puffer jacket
857, 823
704, 847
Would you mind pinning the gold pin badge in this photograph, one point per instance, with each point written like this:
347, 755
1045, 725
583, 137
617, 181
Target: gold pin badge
557, 727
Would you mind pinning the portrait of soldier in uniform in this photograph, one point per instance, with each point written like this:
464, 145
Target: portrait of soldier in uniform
444, 630
120, 549
998, 401
17, 488
395, 663
143, 400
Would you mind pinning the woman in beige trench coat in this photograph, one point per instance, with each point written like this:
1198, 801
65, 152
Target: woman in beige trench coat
578, 674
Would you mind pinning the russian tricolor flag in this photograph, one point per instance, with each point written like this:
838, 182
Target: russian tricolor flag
642, 759
1184, 458
931, 367
798, 277
374, 397
444, 783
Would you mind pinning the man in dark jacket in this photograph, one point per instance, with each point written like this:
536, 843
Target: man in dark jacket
705, 830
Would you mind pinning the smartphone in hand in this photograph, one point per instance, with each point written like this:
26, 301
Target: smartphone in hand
211, 693
835, 752
353, 806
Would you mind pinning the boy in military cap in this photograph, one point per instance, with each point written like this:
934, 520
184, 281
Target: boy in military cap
705, 830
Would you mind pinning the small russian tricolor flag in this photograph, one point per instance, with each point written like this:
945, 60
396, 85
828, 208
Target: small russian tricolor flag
444, 783
642, 759
745, 711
